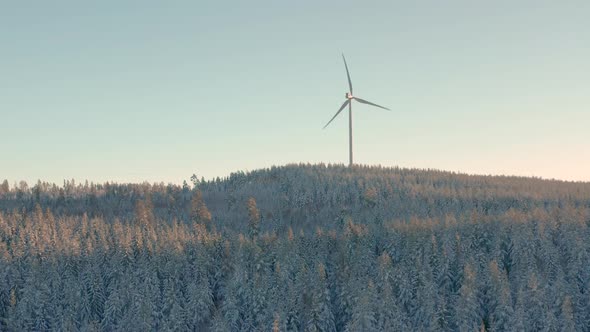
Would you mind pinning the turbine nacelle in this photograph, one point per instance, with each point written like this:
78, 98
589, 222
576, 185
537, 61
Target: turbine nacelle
348, 95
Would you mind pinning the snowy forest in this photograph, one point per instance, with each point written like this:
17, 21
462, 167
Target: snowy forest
298, 248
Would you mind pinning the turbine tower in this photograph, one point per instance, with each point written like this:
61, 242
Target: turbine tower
349, 98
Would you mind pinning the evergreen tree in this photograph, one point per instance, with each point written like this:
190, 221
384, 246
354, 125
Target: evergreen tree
320, 317
199, 212
4, 188
253, 217
468, 310
363, 314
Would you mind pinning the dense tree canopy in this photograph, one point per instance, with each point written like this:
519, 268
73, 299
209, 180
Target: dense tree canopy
299, 247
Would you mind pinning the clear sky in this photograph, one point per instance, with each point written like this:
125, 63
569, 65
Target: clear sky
157, 91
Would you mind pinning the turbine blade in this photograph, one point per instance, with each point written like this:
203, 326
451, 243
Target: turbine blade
340, 110
347, 73
370, 103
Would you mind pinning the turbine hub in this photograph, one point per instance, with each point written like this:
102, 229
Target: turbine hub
348, 95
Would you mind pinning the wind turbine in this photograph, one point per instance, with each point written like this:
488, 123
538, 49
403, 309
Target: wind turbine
349, 99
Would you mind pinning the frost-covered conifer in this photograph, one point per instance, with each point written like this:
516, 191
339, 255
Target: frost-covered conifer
199, 211
469, 316
253, 217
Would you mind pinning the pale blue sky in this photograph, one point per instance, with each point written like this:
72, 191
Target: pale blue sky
157, 91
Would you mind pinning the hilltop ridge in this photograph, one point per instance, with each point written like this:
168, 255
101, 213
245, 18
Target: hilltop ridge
310, 195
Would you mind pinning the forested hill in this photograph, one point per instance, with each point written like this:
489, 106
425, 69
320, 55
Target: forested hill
307, 196
320, 195
298, 248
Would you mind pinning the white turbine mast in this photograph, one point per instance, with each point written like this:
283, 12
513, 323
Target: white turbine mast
349, 98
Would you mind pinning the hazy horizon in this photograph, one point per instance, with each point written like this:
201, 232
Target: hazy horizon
116, 92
